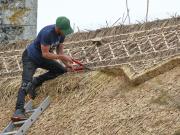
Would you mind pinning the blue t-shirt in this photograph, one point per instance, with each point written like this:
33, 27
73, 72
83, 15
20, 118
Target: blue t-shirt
47, 37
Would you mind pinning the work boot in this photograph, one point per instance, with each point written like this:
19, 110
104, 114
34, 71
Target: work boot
18, 115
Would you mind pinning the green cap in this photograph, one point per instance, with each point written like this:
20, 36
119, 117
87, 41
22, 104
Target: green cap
64, 24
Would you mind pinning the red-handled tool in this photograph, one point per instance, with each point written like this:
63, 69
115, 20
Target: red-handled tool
80, 67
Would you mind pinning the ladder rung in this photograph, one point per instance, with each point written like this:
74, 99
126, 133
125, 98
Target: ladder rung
9, 133
31, 111
19, 122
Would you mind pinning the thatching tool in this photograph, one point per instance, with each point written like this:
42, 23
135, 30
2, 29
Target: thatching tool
80, 66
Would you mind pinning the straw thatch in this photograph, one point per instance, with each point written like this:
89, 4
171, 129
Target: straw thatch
100, 103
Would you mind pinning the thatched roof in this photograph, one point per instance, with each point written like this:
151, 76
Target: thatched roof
106, 101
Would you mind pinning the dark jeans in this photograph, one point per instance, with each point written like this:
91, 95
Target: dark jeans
29, 67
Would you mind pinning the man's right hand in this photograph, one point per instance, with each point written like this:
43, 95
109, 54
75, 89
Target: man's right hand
69, 67
66, 58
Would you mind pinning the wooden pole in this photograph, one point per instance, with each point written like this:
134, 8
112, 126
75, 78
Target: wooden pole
107, 25
116, 21
147, 10
128, 12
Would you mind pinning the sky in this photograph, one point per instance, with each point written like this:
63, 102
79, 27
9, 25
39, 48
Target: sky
94, 14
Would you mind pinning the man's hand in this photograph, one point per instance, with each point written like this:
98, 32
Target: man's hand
69, 67
66, 59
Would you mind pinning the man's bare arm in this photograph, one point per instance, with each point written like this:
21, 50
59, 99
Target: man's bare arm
60, 51
48, 55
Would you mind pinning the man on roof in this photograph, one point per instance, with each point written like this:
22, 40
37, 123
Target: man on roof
39, 54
